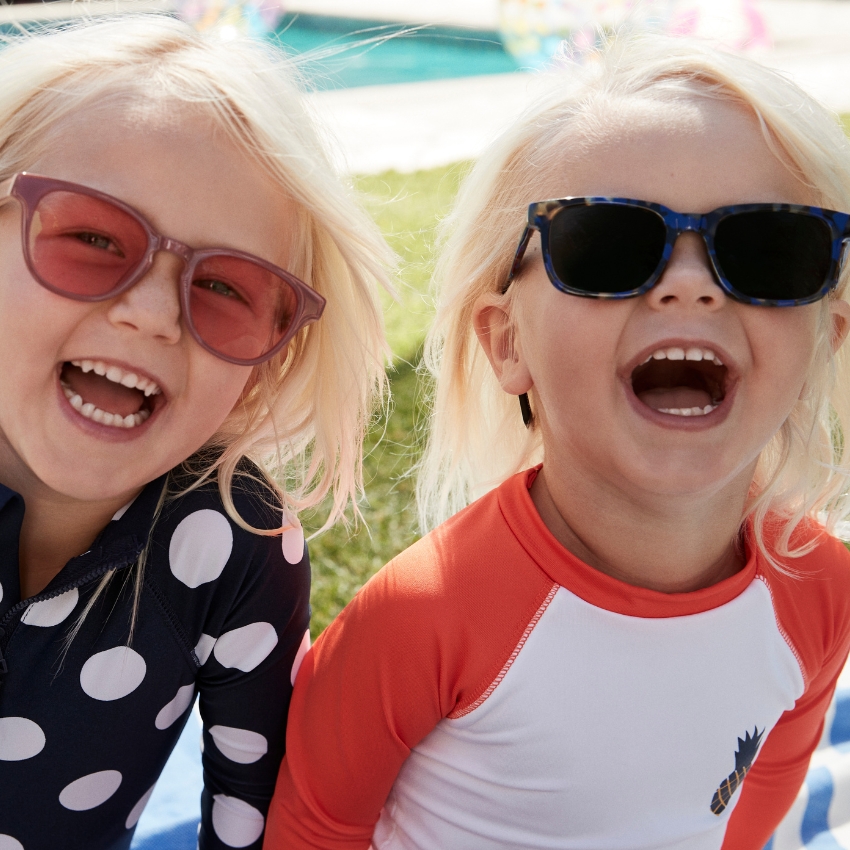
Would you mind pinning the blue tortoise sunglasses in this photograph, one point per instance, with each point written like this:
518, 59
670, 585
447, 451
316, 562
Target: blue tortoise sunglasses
775, 255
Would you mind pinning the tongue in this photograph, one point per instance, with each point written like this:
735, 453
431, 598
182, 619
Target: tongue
671, 398
101, 392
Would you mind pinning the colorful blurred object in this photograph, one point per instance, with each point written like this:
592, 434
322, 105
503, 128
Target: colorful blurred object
232, 18
535, 31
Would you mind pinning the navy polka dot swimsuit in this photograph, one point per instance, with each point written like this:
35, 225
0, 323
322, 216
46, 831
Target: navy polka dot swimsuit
84, 735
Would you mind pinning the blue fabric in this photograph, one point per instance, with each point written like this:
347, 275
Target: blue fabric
815, 820
820, 817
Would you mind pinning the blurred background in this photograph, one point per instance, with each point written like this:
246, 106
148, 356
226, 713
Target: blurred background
408, 93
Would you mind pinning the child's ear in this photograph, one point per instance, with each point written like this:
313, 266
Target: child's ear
497, 334
839, 314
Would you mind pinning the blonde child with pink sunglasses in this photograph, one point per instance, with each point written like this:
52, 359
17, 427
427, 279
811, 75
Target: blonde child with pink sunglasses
192, 347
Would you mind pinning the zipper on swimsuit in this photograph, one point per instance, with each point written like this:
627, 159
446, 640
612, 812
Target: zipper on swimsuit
5, 629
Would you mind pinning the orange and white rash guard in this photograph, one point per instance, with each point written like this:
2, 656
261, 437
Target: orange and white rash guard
487, 690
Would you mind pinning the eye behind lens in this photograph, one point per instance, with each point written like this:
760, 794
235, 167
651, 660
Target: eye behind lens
774, 255
606, 248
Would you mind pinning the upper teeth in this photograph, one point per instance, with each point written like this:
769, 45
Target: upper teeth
117, 375
676, 353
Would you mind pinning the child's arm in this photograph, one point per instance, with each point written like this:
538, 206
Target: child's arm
245, 688
366, 693
814, 613
775, 779
423, 640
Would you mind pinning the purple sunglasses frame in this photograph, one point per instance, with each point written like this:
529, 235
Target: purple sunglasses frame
28, 189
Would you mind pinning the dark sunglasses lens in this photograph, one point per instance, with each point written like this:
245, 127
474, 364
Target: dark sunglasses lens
606, 248
84, 246
774, 255
238, 308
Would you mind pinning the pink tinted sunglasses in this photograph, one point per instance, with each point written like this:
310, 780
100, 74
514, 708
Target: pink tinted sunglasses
89, 246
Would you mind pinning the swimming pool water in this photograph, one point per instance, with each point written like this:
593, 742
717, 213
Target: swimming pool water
350, 52
346, 52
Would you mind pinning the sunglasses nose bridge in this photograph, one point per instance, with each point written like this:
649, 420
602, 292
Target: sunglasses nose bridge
166, 243
680, 223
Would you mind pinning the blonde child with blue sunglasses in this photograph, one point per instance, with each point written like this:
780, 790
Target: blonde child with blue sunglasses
631, 635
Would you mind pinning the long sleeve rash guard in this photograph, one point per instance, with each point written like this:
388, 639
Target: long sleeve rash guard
84, 733
487, 690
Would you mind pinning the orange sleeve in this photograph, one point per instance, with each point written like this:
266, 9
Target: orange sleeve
423, 638
814, 614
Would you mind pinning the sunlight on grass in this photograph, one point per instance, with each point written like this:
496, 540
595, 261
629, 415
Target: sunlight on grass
408, 208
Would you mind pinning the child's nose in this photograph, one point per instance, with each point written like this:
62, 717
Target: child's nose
152, 305
688, 280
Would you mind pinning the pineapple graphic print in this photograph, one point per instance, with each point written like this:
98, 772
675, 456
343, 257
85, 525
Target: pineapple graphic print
747, 749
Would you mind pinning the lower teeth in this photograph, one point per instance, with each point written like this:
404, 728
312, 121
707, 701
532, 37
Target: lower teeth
88, 410
688, 411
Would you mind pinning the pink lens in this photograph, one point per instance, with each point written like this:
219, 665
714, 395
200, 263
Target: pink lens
84, 246
239, 308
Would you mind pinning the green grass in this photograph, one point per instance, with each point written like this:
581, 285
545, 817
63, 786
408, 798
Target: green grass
407, 207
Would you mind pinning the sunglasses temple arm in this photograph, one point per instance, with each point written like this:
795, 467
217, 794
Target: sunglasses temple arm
525, 407
843, 257
520, 253
6, 191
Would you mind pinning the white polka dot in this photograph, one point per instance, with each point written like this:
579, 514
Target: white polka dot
299, 656
51, 612
204, 648
200, 547
245, 648
90, 791
113, 673
176, 708
20, 739
292, 539
136, 811
239, 745
235, 822
9, 843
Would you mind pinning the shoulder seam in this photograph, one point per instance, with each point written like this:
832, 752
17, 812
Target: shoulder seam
785, 636
173, 621
507, 665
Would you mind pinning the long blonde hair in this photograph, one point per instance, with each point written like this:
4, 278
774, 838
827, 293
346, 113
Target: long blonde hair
303, 414
477, 438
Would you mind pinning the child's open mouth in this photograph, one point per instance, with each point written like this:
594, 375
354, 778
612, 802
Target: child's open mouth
107, 394
681, 381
